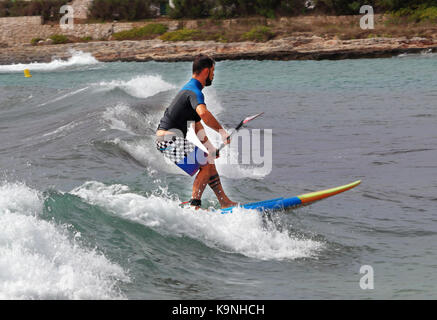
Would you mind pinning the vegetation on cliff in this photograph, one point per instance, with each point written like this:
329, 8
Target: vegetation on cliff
48, 9
275, 8
149, 31
131, 10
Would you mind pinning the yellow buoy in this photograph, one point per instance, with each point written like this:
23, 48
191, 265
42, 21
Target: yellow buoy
27, 73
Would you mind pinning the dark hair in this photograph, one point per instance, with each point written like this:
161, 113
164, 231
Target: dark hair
201, 62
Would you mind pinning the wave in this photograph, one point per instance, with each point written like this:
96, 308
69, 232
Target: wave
39, 260
78, 58
244, 231
63, 129
124, 118
69, 94
144, 152
140, 87
212, 100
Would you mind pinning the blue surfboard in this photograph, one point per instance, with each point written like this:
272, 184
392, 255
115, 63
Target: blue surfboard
293, 202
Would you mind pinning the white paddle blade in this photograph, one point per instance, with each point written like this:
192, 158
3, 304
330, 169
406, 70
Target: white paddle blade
251, 118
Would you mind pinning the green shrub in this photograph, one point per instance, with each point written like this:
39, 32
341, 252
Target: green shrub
396, 5
190, 9
59, 39
108, 10
35, 41
86, 38
147, 32
260, 33
48, 9
266, 8
422, 13
220, 9
182, 35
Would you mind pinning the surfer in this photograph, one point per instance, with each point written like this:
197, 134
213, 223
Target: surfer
187, 107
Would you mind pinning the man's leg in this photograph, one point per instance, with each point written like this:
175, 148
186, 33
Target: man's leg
208, 175
200, 182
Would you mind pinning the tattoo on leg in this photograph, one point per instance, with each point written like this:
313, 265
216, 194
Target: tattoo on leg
214, 182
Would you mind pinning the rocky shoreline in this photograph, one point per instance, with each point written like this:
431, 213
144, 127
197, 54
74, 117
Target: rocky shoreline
290, 48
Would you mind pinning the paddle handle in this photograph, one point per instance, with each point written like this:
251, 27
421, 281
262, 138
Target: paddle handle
232, 133
240, 125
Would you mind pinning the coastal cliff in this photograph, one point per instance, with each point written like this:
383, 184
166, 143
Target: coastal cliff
294, 38
291, 48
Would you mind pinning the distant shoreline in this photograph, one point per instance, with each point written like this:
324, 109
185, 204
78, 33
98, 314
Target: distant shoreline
291, 48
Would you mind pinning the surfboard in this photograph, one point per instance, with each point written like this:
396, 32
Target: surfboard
294, 202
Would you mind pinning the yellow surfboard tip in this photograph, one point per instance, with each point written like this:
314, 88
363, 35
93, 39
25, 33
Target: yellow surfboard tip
319, 195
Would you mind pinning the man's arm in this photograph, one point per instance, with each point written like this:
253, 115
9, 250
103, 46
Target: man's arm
212, 122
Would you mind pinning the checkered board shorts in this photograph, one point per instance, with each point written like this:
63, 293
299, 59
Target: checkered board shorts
181, 152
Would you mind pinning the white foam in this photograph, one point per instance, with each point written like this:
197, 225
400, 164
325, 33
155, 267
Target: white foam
141, 86
39, 261
123, 118
428, 53
78, 58
212, 101
114, 116
242, 231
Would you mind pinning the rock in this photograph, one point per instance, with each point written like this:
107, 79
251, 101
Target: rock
192, 24
291, 48
418, 39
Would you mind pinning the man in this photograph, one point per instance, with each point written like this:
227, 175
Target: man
189, 106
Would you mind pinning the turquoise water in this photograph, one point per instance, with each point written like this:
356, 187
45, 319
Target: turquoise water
89, 209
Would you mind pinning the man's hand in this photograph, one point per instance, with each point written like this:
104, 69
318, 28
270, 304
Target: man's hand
213, 154
226, 137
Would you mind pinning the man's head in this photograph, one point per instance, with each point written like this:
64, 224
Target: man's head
203, 69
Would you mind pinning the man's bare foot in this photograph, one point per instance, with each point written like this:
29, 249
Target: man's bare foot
229, 204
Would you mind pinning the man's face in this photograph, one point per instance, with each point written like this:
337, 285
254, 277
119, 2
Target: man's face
210, 76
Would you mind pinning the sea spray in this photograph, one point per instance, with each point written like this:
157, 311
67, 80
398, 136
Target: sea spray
140, 86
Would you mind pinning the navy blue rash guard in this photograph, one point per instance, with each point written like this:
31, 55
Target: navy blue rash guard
183, 108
